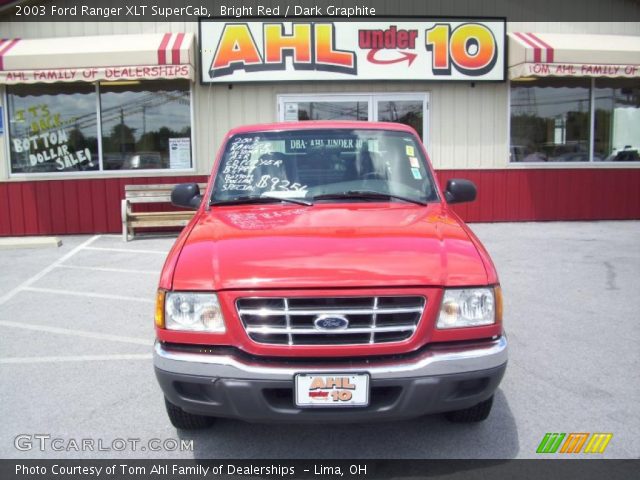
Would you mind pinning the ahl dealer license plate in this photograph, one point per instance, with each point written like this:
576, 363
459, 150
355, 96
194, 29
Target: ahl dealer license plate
332, 390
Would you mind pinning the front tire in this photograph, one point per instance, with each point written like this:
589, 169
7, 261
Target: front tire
184, 420
477, 413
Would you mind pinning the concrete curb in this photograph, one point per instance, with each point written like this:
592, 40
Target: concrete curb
7, 243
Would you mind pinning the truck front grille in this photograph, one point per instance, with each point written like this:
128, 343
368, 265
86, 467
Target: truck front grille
330, 320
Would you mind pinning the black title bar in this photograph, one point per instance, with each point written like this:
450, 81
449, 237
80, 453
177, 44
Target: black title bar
191, 10
124, 469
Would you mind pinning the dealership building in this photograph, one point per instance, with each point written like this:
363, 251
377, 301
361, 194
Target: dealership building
544, 117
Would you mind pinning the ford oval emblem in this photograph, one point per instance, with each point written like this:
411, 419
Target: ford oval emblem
331, 322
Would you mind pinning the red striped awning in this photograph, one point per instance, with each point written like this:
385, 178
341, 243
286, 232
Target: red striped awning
97, 58
573, 55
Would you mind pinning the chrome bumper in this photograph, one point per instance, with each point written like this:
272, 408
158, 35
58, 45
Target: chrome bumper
431, 362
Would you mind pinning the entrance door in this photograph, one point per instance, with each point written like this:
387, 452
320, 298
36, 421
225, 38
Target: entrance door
295, 108
408, 108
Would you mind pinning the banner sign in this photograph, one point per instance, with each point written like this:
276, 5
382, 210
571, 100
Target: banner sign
96, 74
573, 70
420, 49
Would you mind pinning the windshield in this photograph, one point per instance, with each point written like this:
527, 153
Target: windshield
324, 165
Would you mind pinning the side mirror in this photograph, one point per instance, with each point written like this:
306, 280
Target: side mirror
186, 195
460, 190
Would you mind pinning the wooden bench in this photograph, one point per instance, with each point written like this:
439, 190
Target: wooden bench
160, 193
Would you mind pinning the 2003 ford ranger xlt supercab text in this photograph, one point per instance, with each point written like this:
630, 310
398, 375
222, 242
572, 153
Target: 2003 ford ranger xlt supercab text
324, 278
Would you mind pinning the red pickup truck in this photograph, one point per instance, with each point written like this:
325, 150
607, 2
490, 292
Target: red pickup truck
324, 278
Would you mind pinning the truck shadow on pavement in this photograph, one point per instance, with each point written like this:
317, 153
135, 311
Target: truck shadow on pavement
426, 437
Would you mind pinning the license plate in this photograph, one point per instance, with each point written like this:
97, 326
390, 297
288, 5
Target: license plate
332, 390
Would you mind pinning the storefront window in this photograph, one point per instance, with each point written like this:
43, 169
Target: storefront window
617, 120
550, 120
144, 125
52, 128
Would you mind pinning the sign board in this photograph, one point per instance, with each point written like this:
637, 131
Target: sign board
96, 74
419, 49
291, 111
573, 70
179, 153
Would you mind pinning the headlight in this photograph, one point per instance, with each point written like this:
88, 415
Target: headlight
469, 307
193, 312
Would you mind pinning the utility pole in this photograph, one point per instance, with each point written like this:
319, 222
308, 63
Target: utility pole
122, 132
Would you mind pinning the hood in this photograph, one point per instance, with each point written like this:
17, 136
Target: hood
327, 246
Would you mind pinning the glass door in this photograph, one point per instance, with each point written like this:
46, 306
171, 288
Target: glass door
406, 108
295, 108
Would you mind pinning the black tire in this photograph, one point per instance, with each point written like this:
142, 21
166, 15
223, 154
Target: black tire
477, 413
184, 420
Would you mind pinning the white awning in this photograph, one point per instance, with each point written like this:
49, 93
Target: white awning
573, 55
97, 58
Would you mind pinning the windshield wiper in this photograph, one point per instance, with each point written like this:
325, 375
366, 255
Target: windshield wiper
366, 194
248, 199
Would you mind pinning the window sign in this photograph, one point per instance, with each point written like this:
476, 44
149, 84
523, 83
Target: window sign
53, 128
346, 144
179, 153
290, 112
420, 49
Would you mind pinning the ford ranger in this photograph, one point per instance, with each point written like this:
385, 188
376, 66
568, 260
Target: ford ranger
324, 278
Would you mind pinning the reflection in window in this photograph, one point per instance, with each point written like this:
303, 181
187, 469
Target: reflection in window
52, 128
334, 110
550, 120
407, 112
617, 120
145, 125
305, 163
407, 109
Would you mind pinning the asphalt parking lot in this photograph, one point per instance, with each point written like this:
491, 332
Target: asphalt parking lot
75, 359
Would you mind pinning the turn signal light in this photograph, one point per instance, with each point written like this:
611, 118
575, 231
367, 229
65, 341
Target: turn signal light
160, 308
498, 294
